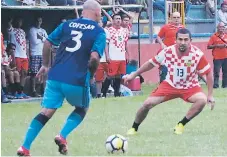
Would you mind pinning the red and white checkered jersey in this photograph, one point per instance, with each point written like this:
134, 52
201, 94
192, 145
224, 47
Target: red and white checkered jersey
117, 43
18, 37
182, 71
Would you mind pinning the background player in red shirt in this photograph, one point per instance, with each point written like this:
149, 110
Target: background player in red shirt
184, 62
218, 44
167, 37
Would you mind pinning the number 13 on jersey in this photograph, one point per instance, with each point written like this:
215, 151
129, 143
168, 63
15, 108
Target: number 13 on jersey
180, 73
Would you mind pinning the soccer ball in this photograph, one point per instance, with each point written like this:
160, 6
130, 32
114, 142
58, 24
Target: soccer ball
116, 143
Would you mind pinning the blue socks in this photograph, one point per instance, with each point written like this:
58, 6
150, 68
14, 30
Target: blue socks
36, 125
74, 119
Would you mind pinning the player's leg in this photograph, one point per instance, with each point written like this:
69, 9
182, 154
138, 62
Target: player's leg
141, 114
112, 70
199, 100
79, 97
224, 73
217, 68
117, 79
52, 100
34, 68
164, 92
99, 77
10, 76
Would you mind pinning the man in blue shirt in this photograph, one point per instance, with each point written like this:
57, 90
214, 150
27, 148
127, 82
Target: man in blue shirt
82, 42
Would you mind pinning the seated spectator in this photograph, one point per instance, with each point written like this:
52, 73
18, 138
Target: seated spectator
222, 14
160, 5
9, 71
4, 99
210, 9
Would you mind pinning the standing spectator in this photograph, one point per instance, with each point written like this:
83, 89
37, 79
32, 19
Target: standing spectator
116, 55
218, 44
167, 37
17, 36
102, 70
37, 36
222, 13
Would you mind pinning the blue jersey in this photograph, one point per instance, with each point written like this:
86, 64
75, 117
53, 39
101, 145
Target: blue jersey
77, 39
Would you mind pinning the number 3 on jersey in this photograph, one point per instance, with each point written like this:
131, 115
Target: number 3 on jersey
77, 41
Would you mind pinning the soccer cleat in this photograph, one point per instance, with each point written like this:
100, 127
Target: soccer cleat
132, 131
179, 129
62, 144
23, 152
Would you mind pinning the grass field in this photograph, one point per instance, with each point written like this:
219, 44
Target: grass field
206, 135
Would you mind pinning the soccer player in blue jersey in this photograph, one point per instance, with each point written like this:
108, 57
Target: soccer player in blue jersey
82, 42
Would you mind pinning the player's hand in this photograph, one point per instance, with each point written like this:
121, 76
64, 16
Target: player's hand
108, 60
129, 77
92, 80
42, 71
39, 36
210, 102
127, 59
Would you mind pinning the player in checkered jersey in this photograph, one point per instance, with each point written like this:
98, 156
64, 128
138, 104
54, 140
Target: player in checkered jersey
116, 54
184, 62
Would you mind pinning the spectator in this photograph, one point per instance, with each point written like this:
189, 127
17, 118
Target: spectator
17, 37
160, 5
37, 36
4, 99
167, 37
116, 55
222, 13
210, 9
10, 70
102, 70
60, 2
218, 44
187, 8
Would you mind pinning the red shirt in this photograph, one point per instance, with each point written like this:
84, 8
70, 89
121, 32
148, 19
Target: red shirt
168, 33
218, 53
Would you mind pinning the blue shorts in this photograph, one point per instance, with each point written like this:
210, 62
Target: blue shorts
56, 92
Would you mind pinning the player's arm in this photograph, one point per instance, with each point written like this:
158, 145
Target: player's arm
77, 14
96, 53
211, 43
161, 35
155, 61
127, 53
53, 39
109, 18
107, 46
205, 69
128, 14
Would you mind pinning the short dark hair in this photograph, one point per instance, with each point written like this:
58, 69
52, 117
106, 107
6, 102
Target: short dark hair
125, 16
115, 15
9, 46
184, 31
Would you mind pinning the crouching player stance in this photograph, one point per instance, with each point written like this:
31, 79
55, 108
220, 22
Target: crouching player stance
82, 42
184, 62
